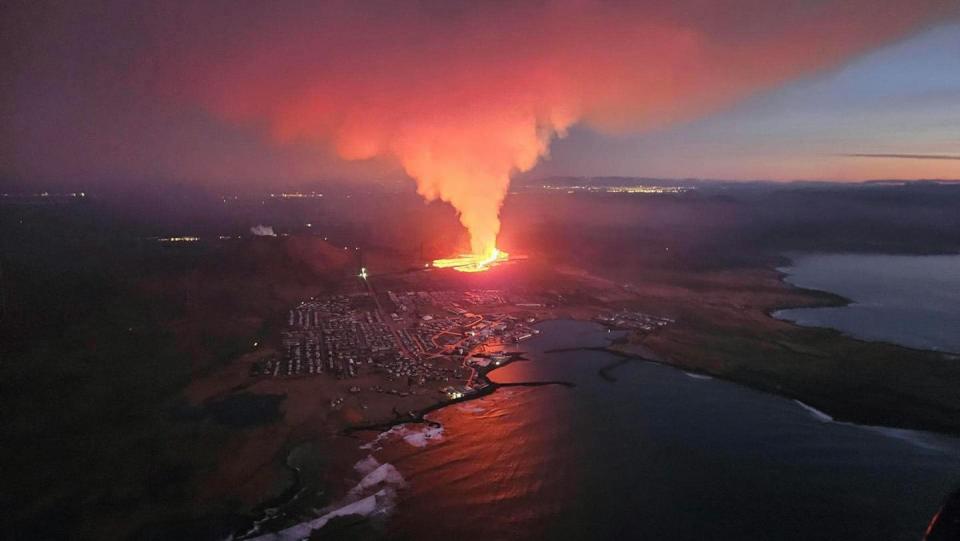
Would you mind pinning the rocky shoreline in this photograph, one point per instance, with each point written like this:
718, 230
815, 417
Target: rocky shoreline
273, 510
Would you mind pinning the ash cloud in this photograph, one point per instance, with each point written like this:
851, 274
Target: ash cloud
461, 95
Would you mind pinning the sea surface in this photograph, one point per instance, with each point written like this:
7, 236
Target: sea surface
657, 454
909, 300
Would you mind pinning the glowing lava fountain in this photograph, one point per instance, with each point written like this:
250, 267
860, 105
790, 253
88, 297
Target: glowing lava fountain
472, 262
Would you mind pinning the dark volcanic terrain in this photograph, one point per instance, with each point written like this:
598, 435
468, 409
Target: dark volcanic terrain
127, 359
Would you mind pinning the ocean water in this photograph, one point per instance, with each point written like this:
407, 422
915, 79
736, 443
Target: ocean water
657, 454
908, 300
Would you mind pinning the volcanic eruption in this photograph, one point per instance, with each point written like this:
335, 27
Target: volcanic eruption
463, 96
472, 262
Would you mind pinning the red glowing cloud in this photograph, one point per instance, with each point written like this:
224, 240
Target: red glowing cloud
462, 95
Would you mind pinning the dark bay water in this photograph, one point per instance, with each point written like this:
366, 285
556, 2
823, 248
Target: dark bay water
909, 300
658, 454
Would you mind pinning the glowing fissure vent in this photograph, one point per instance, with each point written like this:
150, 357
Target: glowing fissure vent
472, 262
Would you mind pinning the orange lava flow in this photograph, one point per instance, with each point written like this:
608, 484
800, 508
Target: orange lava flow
472, 262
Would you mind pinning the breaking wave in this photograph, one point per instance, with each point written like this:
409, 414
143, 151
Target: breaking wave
374, 496
915, 437
467, 407
415, 435
817, 414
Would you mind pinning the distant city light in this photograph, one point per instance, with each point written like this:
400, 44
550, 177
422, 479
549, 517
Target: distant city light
178, 239
44, 195
297, 195
640, 189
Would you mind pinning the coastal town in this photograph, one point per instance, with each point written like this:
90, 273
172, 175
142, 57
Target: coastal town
416, 342
416, 338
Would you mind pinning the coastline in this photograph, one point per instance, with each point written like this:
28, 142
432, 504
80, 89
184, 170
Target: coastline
489, 387
924, 441
381, 501
838, 301
626, 350
272, 510
838, 410
829, 341
697, 373
911, 434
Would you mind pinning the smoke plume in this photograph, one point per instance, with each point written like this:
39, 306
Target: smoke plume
465, 95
